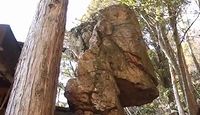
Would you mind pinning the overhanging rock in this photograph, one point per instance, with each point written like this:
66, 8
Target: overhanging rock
115, 71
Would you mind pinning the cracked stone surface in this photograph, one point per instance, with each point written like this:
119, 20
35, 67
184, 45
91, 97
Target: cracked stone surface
114, 70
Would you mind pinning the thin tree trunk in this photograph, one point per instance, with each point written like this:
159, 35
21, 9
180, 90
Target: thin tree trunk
176, 95
36, 77
190, 98
174, 70
164, 44
193, 57
189, 79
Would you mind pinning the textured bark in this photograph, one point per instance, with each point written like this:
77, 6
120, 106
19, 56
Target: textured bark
35, 83
186, 80
193, 57
189, 77
175, 90
115, 71
190, 98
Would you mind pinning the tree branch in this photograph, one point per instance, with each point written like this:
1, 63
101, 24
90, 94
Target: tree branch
183, 38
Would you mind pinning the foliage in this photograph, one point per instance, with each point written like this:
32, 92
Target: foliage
66, 72
154, 16
95, 6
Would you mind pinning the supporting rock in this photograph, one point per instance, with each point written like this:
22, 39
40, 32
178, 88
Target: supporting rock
115, 71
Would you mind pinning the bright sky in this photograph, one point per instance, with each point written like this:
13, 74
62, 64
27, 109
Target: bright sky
19, 14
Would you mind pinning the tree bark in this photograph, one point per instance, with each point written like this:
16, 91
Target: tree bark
176, 95
158, 32
36, 77
174, 70
193, 56
186, 80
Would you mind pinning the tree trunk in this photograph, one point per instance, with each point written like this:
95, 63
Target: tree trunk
36, 77
164, 45
190, 98
174, 70
193, 57
176, 95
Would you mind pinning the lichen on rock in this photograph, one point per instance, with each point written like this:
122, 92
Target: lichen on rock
114, 71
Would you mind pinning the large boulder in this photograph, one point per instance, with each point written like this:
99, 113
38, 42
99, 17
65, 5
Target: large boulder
115, 70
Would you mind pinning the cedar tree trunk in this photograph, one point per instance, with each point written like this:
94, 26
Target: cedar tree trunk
36, 77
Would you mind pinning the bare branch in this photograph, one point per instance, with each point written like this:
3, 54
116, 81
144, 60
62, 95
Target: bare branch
72, 68
183, 38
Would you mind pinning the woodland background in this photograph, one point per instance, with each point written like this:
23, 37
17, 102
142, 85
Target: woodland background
171, 31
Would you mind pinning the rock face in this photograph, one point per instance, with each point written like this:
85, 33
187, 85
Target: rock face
115, 70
